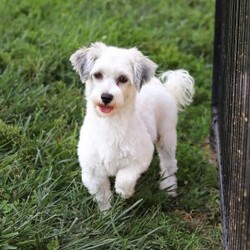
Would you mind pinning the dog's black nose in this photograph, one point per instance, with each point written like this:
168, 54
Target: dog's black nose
106, 98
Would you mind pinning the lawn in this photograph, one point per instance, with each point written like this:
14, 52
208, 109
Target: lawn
43, 204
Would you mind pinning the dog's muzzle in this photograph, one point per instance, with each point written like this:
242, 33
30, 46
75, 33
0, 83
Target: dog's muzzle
106, 98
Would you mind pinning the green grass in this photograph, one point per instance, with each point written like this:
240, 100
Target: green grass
43, 204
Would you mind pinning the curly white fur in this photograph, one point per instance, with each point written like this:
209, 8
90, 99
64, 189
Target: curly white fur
125, 118
183, 91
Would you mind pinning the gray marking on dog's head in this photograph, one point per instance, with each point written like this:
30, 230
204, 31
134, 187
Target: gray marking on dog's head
83, 59
144, 68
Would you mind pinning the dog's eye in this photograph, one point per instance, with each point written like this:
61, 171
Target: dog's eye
98, 75
122, 79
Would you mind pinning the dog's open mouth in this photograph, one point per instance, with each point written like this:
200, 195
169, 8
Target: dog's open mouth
105, 109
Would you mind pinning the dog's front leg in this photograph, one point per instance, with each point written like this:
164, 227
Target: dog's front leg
100, 187
125, 181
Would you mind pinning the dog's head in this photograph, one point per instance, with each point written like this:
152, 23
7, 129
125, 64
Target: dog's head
112, 75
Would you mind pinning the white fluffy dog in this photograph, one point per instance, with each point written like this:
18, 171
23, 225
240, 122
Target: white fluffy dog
125, 118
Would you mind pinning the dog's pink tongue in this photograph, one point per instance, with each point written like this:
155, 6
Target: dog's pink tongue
105, 109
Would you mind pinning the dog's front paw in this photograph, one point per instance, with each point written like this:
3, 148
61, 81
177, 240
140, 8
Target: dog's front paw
125, 182
104, 206
125, 193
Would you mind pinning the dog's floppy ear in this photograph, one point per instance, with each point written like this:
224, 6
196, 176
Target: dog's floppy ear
144, 68
83, 59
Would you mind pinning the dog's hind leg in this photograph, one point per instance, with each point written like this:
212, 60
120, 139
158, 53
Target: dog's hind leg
99, 186
166, 147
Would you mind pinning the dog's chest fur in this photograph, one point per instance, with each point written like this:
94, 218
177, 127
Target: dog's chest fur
115, 142
116, 149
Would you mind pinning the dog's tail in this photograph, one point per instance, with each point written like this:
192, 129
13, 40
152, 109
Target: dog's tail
180, 85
